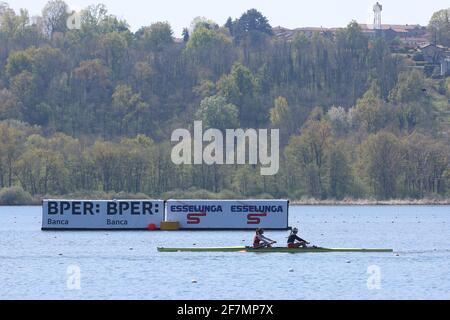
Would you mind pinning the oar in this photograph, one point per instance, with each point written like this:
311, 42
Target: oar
308, 245
264, 245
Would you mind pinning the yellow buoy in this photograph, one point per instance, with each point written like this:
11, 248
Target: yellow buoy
170, 226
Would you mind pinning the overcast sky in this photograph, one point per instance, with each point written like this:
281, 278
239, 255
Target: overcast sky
287, 13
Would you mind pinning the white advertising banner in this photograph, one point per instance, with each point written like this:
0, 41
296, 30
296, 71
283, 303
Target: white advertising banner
229, 214
100, 214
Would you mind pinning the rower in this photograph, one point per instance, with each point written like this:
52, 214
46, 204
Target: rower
260, 241
294, 241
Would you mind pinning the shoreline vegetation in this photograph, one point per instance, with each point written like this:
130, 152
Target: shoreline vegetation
16, 196
96, 111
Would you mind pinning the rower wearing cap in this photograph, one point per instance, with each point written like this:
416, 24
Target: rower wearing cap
260, 241
294, 241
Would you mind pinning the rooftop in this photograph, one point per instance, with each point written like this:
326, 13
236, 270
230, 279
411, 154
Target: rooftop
419, 31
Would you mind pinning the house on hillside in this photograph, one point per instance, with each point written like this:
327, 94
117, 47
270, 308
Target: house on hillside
438, 56
433, 54
402, 37
407, 34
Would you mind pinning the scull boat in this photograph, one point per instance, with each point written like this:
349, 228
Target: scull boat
273, 250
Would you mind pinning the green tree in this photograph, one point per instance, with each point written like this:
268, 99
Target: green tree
246, 181
156, 37
282, 117
41, 170
439, 27
137, 161
413, 102
425, 162
11, 146
229, 25
113, 50
124, 105
252, 23
381, 162
107, 161
203, 22
211, 49
10, 105
93, 80
239, 87
340, 178
216, 113
16, 32
371, 112
307, 155
19, 62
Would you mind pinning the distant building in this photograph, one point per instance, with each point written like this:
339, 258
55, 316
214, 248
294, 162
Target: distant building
409, 35
434, 54
401, 38
437, 56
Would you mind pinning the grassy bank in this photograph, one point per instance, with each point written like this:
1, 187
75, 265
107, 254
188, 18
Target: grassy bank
16, 196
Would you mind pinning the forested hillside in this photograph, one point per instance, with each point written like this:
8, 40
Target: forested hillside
91, 110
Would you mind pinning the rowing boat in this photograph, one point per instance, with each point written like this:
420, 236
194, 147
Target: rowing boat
272, 250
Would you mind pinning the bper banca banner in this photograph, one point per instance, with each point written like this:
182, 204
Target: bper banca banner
100, 214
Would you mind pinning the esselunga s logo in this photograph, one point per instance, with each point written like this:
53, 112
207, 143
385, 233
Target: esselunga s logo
74, 21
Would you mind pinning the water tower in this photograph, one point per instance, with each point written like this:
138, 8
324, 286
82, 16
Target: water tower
377, 8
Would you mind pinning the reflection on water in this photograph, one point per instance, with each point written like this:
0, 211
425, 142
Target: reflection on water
126, 265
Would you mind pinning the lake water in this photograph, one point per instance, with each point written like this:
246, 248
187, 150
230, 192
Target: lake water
126, 265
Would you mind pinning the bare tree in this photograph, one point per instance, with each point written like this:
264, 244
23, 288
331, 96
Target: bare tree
3, 7
55, 15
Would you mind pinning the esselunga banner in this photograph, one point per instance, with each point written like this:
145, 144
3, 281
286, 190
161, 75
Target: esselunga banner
101, 214
229, 214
